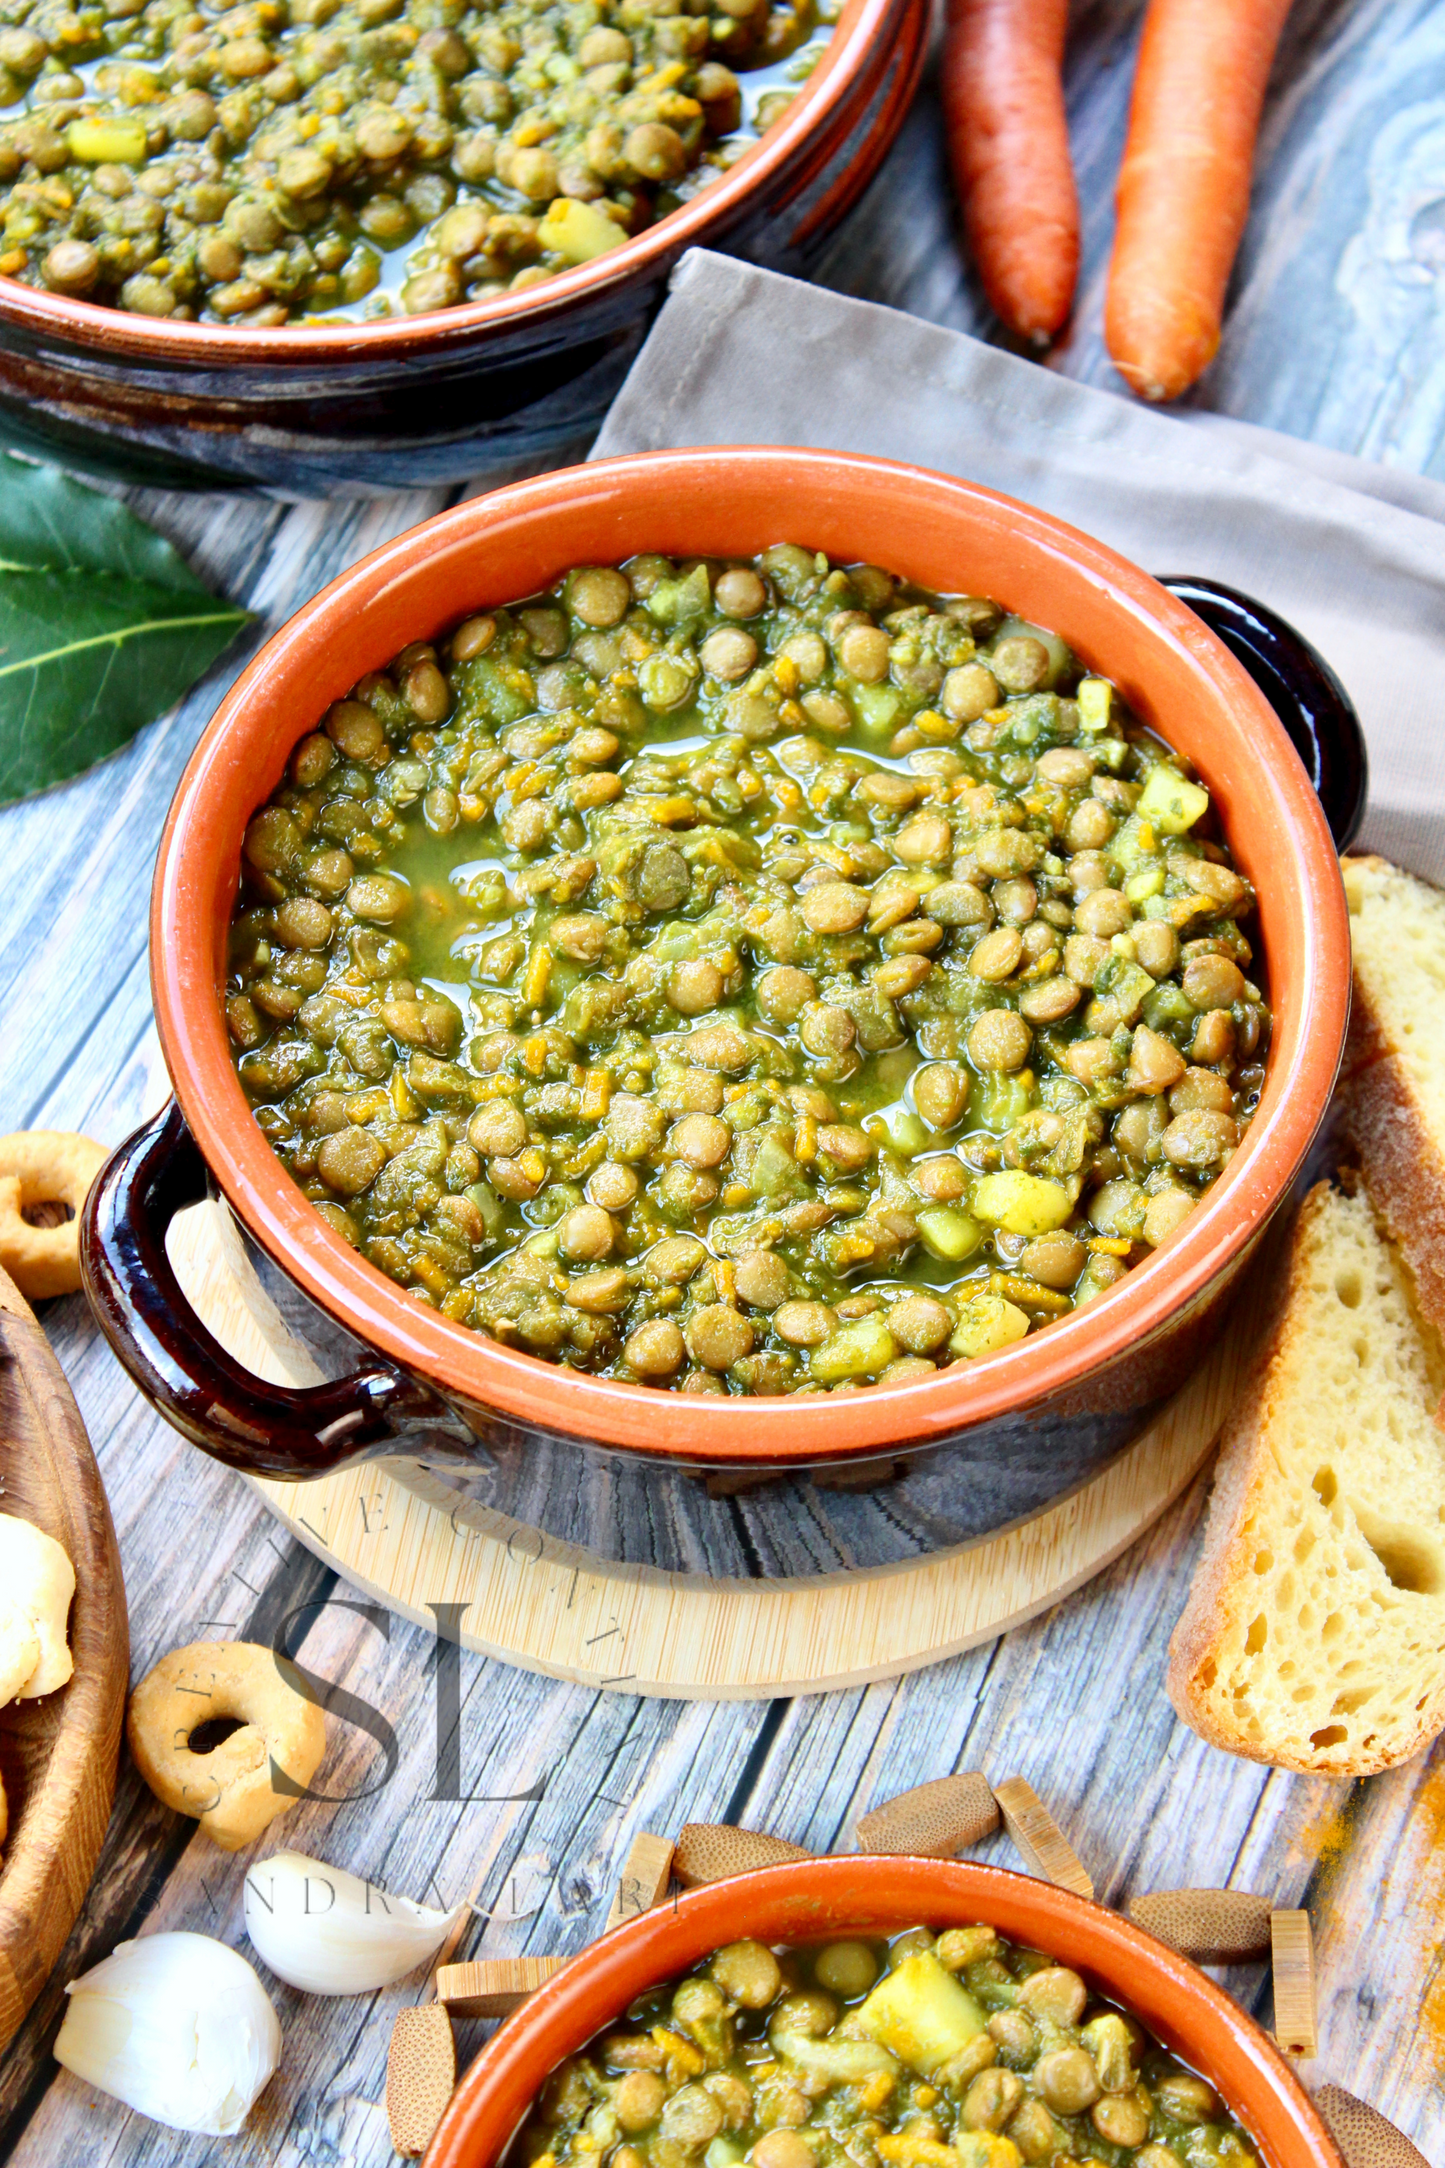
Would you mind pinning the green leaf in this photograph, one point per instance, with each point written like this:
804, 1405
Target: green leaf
50, 523
103, 626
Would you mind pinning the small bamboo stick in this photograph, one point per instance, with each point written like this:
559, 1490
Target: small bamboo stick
493, 1986
1293, 1949
933, 1821
646, 1873
1039, 1838
421, 2076
1366, 2138
1211, 1926
714, 1852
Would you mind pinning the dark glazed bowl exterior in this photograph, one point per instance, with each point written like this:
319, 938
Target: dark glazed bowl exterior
595, 1461
817, 1899
466, 392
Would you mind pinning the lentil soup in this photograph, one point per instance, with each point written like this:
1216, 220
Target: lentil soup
284, 159
956, 2051
745, 977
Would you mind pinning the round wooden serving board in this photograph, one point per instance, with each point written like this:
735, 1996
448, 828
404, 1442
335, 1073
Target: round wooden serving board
57, 1753
396, 1531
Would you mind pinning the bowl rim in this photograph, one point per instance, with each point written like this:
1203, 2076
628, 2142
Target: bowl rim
124, 335
654, 1946
791, 1429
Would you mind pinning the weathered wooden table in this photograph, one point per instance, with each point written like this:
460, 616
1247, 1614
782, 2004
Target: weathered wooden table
1337, 332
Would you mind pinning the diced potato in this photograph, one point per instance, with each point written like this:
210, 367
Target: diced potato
948, 1234
1170, 802
1096, 699
986, 1323
857, 1350
1024, 1204
921, 2013
577, 231
107, 142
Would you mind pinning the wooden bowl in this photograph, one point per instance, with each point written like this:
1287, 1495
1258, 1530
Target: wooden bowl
58, 1753
818, 1899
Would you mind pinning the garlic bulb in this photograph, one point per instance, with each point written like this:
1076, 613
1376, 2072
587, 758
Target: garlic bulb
178, 2027
39, 1581
329, 1932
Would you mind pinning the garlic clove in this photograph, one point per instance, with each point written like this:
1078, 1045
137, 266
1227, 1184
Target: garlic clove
327, 1931
178, 2027
38, 1578
19, 1650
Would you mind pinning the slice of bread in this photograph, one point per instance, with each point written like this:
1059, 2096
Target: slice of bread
1393, 1096
1314, 1636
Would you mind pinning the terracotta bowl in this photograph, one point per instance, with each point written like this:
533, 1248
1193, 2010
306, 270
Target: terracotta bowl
614, 1466
464, 392
816, 1899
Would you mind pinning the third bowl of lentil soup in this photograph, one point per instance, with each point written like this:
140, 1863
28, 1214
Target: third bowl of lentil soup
377, 243
889, 2011
807, 999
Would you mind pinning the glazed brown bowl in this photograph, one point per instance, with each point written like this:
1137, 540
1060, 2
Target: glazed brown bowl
417, 401
591, 1459
817, 1899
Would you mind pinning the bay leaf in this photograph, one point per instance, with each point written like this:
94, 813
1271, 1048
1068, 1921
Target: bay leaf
103, 626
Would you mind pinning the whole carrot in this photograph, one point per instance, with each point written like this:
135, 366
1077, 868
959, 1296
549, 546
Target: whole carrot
1008, 145
1183, 194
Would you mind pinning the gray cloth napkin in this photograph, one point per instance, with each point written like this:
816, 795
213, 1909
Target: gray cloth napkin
1351, 553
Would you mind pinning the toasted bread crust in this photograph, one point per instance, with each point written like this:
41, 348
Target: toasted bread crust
1403, 1164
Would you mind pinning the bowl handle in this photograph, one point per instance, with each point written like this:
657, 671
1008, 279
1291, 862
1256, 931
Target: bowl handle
138, 1302
1302, 689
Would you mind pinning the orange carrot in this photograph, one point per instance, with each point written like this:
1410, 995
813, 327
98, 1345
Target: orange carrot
1008, 145
1183, 194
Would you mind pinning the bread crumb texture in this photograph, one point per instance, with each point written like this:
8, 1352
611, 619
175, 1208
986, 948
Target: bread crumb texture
1393, 1097
1314, 1637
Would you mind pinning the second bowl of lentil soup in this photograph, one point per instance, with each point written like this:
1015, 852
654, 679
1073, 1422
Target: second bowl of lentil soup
804, 2014
383, 243
842, 1002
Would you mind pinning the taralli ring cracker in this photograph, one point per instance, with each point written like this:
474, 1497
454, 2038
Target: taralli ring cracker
44, 1167
227, 1790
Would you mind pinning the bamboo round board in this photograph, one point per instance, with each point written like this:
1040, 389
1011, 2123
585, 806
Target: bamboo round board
57, 1753
398, 1533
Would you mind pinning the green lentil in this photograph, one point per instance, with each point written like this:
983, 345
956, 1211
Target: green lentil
963, 2048
280, 160
610, 1005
